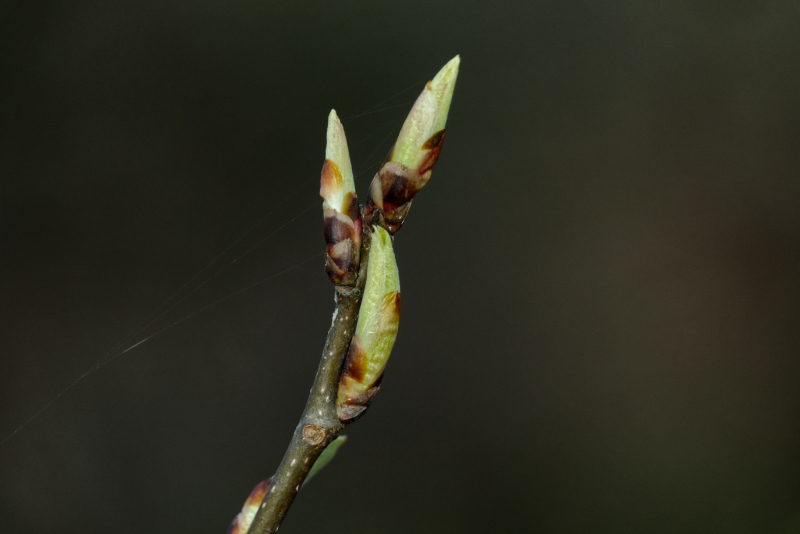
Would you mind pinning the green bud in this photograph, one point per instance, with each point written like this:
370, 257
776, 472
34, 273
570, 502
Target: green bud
416, 151
337, 173
340, 208
426, 119
376, 331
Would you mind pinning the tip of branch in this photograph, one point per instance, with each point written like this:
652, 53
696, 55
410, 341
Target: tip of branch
337, 179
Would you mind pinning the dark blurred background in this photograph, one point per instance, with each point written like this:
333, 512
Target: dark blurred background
600, 283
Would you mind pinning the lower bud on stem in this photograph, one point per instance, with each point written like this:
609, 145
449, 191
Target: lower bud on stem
241, 523
376, 331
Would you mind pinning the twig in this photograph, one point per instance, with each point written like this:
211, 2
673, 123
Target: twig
320, 424
360, 339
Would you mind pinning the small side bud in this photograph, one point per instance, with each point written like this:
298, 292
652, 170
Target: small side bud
340, 208
241, 523
376, 331
410, 163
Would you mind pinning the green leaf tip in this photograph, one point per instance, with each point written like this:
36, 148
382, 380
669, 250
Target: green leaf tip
326, 456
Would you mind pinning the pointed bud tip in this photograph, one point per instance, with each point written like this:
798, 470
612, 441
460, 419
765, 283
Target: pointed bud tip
447, 73
335, 131
428, 116
335, 134
335, 190
443, 85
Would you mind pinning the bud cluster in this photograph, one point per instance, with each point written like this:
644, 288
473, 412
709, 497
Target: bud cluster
406, 170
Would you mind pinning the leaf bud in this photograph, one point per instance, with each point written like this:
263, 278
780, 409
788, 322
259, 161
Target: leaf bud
340, 208
376, 331
410, 163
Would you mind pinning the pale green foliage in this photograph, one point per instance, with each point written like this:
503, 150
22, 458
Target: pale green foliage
326, 456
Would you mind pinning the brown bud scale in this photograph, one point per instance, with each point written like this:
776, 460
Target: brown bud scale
395, 186
241, 523
355, 396
342, 241
434, 145
356, 405
330, 181
362, 373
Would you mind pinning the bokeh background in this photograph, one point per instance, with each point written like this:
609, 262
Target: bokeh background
600, 283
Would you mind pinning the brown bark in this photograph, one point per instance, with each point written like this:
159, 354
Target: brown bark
319, 424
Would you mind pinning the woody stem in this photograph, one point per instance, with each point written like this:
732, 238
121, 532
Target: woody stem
319, 424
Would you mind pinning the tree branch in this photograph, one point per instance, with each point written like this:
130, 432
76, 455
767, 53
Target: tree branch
405, 171
319, 424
